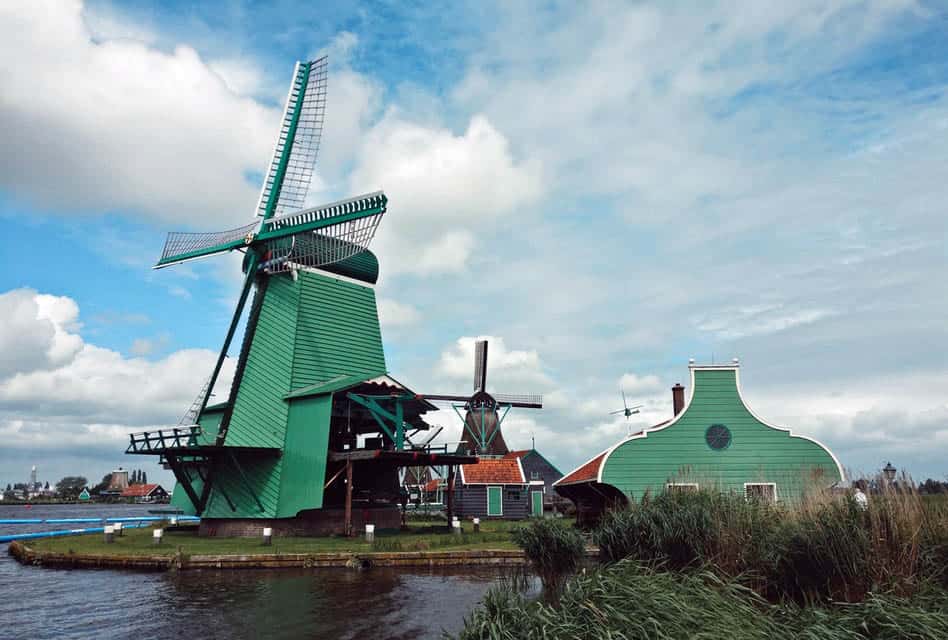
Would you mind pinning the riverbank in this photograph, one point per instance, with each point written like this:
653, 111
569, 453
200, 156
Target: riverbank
175, 560
423, 545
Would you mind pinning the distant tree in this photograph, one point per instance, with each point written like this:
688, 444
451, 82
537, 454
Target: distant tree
9, 488
932, 486
102, 486
46, 488
144, 478
69, 487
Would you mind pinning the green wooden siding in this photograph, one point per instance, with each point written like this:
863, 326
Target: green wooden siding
338, 331
310, 330
305, 455
495, 501
757, 452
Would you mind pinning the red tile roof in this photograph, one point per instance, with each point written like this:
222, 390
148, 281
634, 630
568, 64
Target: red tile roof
493, 471
138, 490
433, 484
586, 473
517, 454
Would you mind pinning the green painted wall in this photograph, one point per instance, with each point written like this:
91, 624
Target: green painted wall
310, 330
338, 333
757, 453
304, 458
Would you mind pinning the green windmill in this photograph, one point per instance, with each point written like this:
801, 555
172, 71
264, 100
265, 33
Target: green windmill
313, 429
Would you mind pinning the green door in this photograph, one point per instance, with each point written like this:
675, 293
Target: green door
495, 501
536, 502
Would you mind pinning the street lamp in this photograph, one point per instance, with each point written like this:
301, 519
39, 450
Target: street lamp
889, 472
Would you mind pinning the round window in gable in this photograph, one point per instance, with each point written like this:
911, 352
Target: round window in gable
718, 437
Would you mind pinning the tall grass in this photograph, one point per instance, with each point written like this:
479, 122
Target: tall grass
629, 600
553, 549
825, 547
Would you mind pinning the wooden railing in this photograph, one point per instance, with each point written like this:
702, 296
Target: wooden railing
158, 441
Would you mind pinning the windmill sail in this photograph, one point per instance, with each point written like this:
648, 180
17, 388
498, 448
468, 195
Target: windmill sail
294, 156
480, 365
183, 246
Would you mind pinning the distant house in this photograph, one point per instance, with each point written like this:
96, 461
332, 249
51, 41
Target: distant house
497, 488
145, 493
536, 467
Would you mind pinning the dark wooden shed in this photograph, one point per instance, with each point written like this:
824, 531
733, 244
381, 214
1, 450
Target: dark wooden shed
495, 488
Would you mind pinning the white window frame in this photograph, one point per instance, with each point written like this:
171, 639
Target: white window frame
761, 484
670, 485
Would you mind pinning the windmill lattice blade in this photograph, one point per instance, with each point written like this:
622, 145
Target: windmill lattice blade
290, 176
333, 241
519, 400
480, 365
181, 246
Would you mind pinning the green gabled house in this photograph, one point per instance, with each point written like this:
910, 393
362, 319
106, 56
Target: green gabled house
715, 441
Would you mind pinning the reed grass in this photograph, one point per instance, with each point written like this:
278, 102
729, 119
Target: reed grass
629, 600
823, 548
553, 548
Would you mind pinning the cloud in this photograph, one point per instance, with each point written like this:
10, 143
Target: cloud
444, 189
36, 331
759, 319
77, 394
632, 383
148, 346
393, 313
98, 120
504, 366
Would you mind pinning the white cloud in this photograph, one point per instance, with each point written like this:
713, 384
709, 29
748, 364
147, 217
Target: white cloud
85, 393
444, 189
633, 383
504, 366
148, 346
36, 331
114, 123
393, 313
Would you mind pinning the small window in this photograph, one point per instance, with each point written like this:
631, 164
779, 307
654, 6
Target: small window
681, 487
535, 475
718, 437
513, 494
763, 491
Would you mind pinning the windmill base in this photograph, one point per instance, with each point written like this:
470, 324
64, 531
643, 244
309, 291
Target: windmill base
318, 522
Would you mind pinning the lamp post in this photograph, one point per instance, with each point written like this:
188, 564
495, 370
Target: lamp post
889, 471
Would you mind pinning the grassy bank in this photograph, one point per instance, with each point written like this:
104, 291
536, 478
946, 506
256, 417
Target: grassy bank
420, 537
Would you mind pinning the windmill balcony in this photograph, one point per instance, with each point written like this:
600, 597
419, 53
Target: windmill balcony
158, 441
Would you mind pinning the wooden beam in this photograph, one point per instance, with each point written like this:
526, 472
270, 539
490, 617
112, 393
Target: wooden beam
450, 504
184, 480
348, 497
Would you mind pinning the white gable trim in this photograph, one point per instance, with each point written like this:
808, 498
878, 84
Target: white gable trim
740, 394
737, 380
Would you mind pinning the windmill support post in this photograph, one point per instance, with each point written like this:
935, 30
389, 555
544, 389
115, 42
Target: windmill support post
348, 516
450, 498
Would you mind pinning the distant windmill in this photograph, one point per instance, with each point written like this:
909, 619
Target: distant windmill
482, 420
627, 410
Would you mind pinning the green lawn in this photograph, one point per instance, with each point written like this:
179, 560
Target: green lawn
422, 536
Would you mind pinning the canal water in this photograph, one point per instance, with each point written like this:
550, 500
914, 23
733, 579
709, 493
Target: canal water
308, 603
